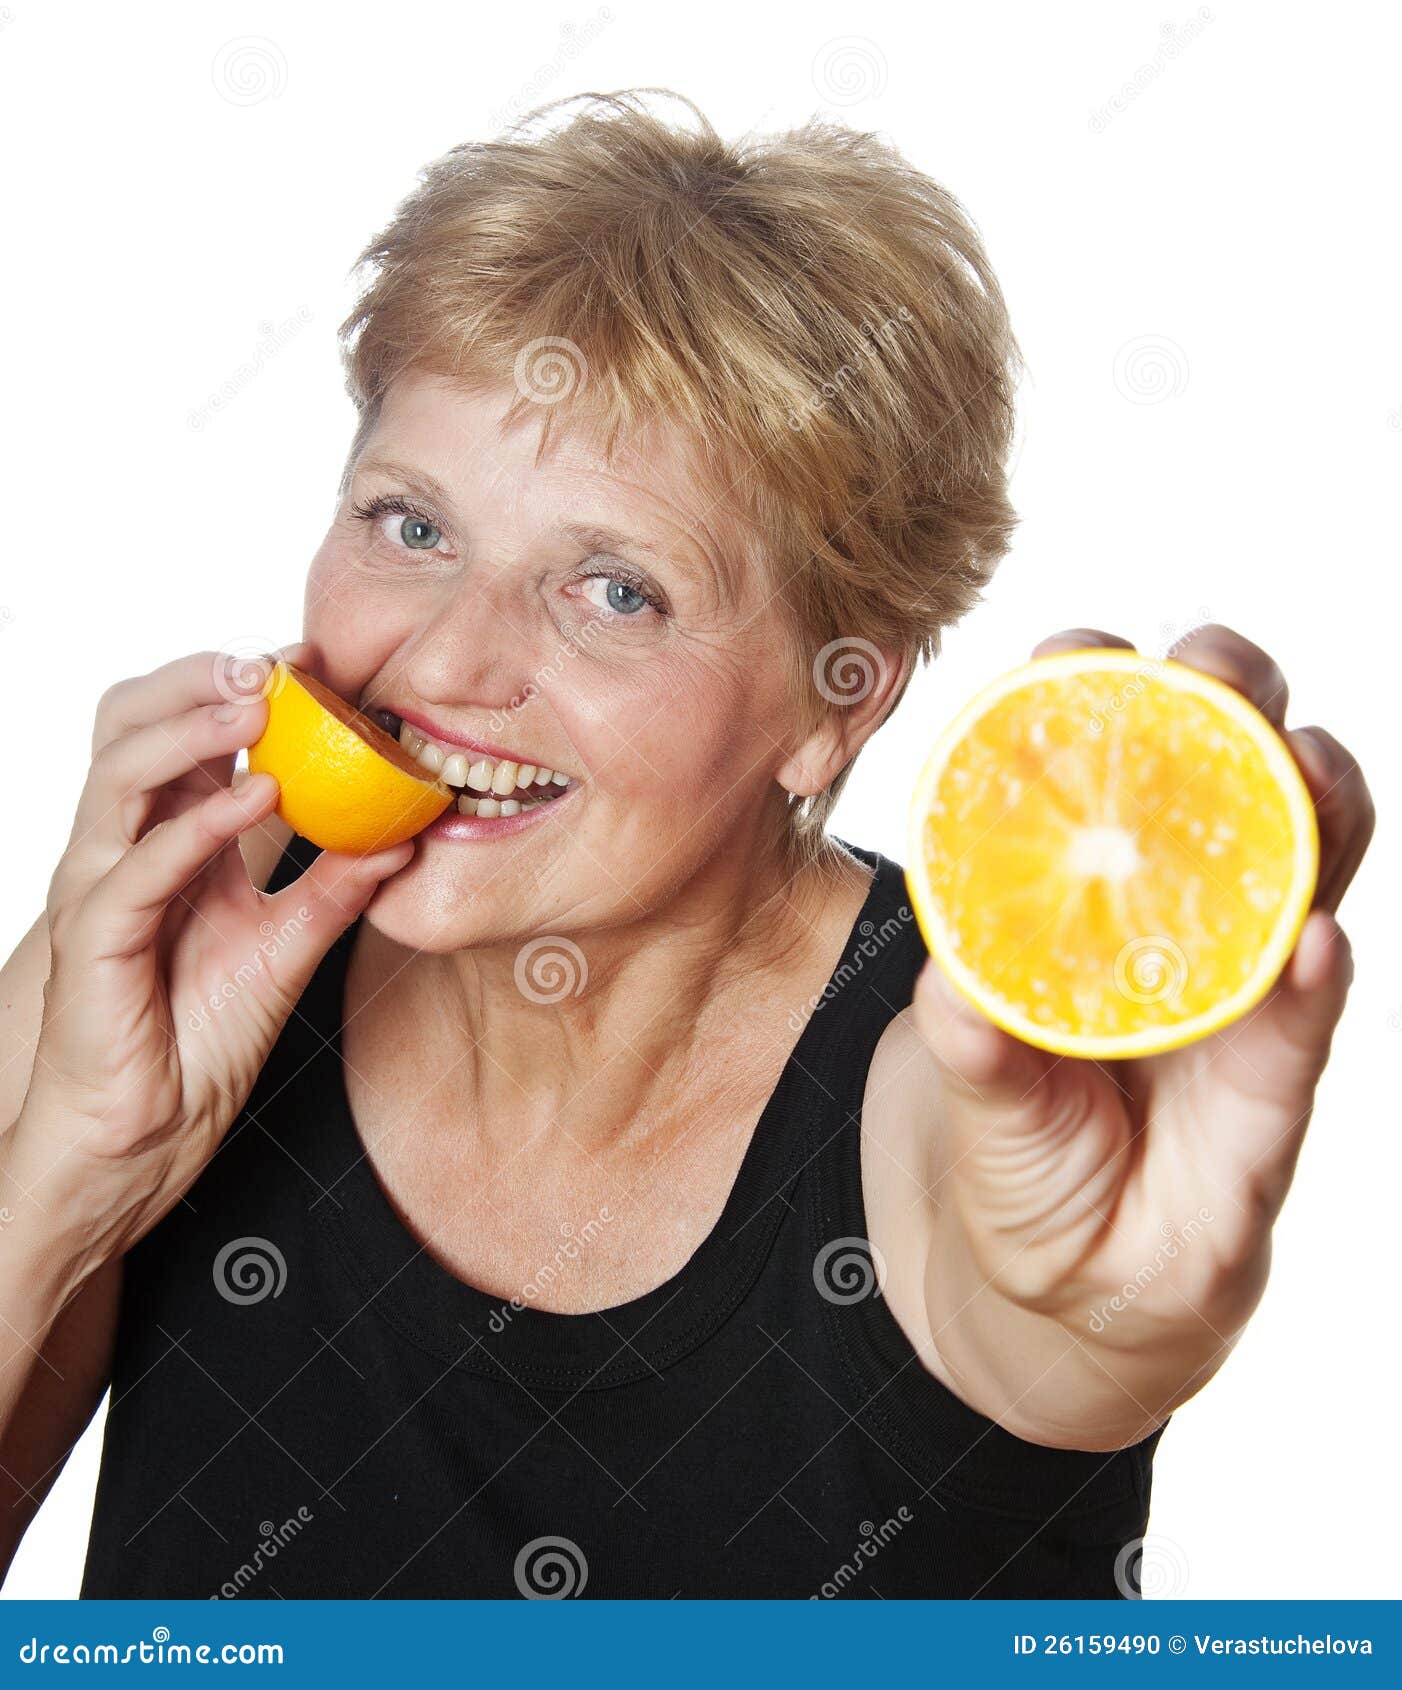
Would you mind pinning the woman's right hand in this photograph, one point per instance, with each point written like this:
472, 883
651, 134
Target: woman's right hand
171, 973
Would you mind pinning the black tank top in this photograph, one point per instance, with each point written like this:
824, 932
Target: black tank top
306, 1404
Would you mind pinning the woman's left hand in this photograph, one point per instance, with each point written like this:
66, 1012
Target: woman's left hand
1130, 1204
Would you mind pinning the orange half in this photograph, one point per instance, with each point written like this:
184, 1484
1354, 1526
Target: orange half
343, 782
1111, 855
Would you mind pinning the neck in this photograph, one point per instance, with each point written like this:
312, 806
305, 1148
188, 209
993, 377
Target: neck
600, 1034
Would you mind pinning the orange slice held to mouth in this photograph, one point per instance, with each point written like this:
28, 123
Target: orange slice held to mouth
1111, 855
343, 782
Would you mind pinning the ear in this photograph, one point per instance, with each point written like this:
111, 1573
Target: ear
858, 684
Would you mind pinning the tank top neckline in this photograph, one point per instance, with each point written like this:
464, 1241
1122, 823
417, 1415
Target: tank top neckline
465, 1326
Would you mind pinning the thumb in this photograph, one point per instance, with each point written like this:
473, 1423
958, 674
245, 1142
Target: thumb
311, 914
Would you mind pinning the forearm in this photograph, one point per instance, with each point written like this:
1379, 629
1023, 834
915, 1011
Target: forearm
46, 1256
1100, 1369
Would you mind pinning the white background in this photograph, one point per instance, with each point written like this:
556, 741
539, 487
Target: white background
1193, 214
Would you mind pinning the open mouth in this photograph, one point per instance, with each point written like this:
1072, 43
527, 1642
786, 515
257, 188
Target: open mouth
485, 786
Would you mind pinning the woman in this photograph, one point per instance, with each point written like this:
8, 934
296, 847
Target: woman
600, 1194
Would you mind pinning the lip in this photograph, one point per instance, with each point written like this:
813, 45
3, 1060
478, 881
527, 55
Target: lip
447, 737
452, 824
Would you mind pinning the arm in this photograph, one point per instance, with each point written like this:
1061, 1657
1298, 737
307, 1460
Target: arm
1090, 1239
58, 1315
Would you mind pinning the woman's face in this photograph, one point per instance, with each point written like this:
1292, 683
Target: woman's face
566, 615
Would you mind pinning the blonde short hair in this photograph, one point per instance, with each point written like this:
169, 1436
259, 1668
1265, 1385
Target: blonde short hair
818, 316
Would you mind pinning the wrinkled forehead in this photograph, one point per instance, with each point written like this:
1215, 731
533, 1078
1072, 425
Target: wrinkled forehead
533, 463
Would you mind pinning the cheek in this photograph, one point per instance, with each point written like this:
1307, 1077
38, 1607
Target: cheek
669, 734
356, 628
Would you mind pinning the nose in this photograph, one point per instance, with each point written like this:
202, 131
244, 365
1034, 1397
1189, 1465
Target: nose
473, 646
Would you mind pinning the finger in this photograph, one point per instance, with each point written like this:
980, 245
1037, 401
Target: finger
1221, 651
123, 912
205, 677
301, 655
1278, 1053
308, 916
128, 770
989, 1073
1078, 639
1343, 808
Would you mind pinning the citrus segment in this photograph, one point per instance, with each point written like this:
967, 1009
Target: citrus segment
1111, 855
343, 782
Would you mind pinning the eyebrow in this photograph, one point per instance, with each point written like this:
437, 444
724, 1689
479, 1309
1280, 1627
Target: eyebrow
596, 539
591, 536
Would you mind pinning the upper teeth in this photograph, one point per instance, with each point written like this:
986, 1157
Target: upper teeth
497, 775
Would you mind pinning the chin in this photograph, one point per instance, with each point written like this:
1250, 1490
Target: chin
421, 910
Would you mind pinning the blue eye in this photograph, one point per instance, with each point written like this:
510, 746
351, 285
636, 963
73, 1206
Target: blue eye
622, 597
625, 599
418, 534
415, 531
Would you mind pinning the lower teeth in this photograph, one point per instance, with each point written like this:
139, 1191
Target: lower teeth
469, 804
